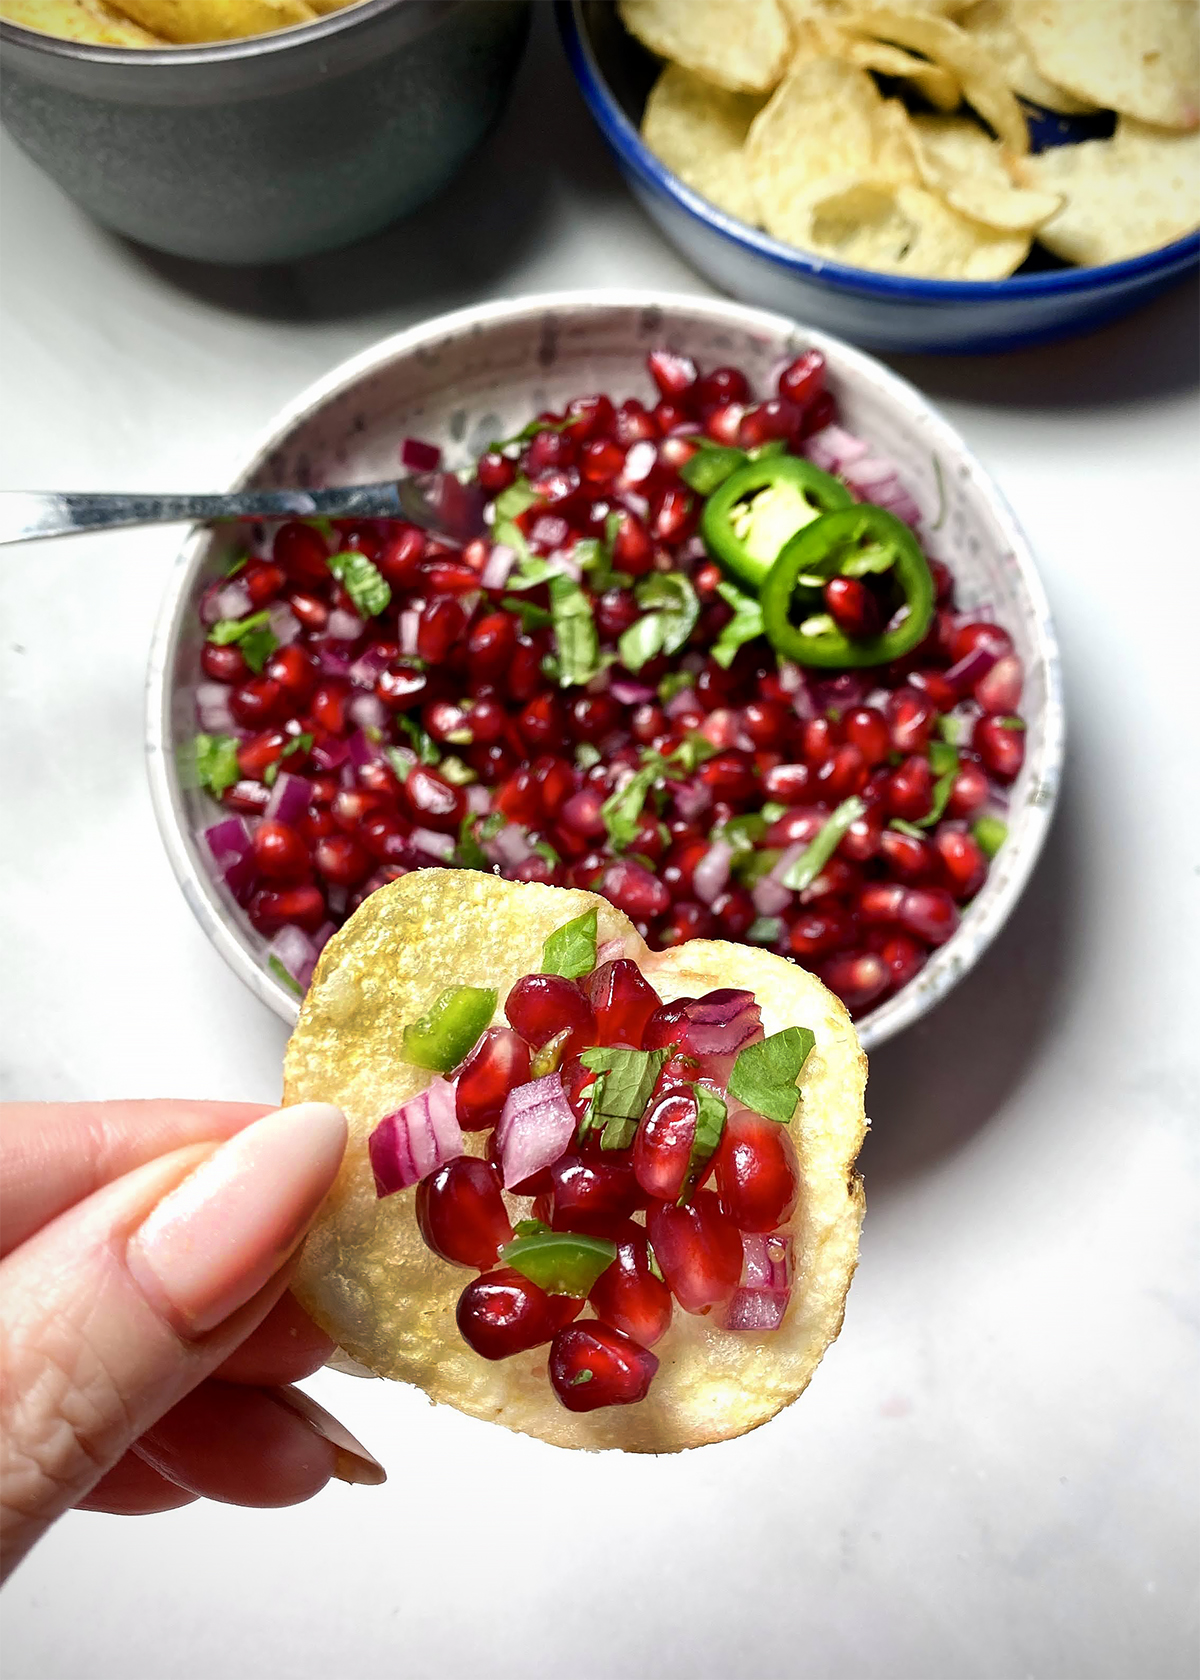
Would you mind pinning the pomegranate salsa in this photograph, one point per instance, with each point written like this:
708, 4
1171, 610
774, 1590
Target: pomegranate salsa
699, 664
652, 1138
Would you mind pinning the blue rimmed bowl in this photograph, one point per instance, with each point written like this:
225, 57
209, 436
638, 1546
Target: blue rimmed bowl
881, 311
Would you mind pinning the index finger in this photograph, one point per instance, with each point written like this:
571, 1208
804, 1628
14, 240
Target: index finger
52, 1155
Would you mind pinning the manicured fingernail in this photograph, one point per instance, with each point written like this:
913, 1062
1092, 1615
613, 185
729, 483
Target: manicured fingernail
213, 1243
353, 1463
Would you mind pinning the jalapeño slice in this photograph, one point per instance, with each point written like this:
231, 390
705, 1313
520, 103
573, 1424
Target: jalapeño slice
750, 518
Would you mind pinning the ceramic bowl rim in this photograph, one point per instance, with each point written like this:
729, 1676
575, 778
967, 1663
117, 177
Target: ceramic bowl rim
948, 965
625, 140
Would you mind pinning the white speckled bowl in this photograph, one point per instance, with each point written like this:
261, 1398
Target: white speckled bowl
468, 377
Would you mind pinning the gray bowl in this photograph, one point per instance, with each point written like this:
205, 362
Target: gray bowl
481, 373
272, 148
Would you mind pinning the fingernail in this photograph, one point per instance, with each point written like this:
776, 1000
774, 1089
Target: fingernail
353, 1463
213, 1243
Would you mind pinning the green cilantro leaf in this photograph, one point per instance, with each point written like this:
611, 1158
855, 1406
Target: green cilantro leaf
693, 751
990, 834
423, 743
764, 930
710, 1123
253, 635
952, 729
237, 566
469, 854
571, 949
902, 827
622, 810
401, 759
595, 558
516, 500
362, 580
281, 973
743, 627
531, 615
764, 1075
629, 1079
943, 761
742, 833
671, 596
823, 844
544, 849
641, 642
216, 762
574, 633
674, 683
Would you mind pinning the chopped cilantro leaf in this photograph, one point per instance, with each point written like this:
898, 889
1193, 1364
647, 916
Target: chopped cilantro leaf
253, 635
469, 854
823, 844
943, 761
401, 760
764, 1075
764, 930
710, 1123
531, 615
426, 748
571, 949
629, 1079
674, 683
743, 627
216, 762
516, 500
281, 973
990, 834
622, 810
362, 580
574, 633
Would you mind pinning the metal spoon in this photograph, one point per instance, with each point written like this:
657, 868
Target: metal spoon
434, 500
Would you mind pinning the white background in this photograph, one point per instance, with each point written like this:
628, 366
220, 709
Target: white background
994, 1474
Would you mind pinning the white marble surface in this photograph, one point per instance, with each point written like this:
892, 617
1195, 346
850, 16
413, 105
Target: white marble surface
994, 1475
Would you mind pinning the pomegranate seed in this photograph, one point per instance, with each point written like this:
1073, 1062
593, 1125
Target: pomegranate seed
724, 424
688, 920
666, 1026
804, 379
667, 416
433, 801
256, 756
542, 723
279, 852
525, 673
969, 793
853, 607
461, 1214
1000, 690
631, 422
963, 863
590, 417
821, 412
879, 902
909, 859
863, 839
259, 701
815, 933
250, 798
451, 577
540, 1006
328, 707
734, 913
778, 417
622, 1000
305, 906
929, 913
596, 1196
978, 633
858, 977
502, 1313
341, 860
442, 623
820, 736
943, 695
757, 1172
295, 670
365, 538
601, 460
723, 385
673, 516
904, 957
520, 798
766, 722
662, 1146
788, 783
674, 375
401, 687
729, 776
698, 1250
223, 664
628, 1295
911, 718
549, 451
593, 1365
384, 836
616, 609
632, 888
633, 552
352, 806
1000, 743
262, 581
495, 472
301, 552
401, 556
910, 789
843, 773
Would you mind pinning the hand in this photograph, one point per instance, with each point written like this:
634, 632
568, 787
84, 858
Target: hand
146, 1325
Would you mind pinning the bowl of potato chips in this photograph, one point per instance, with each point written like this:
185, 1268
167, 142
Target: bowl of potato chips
927, 175
254, 131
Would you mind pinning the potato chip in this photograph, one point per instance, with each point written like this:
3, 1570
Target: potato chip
367, 1277
184, 21
933, 81
900, 229
965, 166
80, 20
990, 24
698, 131
1133, 193
983, 83
743, 47
1140, 57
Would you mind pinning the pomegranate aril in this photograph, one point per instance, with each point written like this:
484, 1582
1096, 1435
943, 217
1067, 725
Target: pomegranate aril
594, 1195
263, 581
734, 913
461, 1213
673, 515
632, 422
304, 906
909, 792
301, 551
687, 920
723, 385
853, 607
788, 784
622, 1001
542, 723
279, 852
674, 375
909, 859
803, 380
911, 718
821, 412
633, 552
223, 664
843, 773
778, 417
328, 707
258, 701
978, 633
502, 1313
1000, 690
601, 460
879, 902
628, 1295
295, 670
256, 756
729, 776
633, 889
667, 1025
495, 472
943, 695
590, 417
757, 1173
548, 451
525, 672
384, 836
766, 722
698, 1251
540, 1006
963, 863
858, 977
969, 793
1000, 743
341, 860
930, 913
433, 801
248, 798
593, 1365
662, 1146
905, 958
816, 932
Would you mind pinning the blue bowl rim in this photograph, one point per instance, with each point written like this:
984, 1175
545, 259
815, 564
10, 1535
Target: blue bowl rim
632, 150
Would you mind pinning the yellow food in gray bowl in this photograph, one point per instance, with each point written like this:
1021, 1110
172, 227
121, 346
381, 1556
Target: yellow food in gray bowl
162, 23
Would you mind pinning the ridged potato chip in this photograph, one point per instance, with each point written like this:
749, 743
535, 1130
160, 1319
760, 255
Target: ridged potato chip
1133, 193
739, 46
990, 24
698, 131
898, 229
80, 20
1139, 57
964, 166
365, 1274
933, 82
188, 21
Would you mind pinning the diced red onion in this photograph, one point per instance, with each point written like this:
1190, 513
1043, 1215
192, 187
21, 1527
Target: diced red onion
285, 626
971, 667
500, 563
634, 503
479, 799
536, 1126
369, 712
344, 626
684, 701
712, 872
296, 951
233, 854
754, 1309
422, 1135
833, 448
692, 799
410, 625
765, 1286
419, 456
348, 774
289, 798
897, 500
613, 950
693, 552
784, 862
330, 752
338, 900
630, 693
868, 472
840, 692
213, 712
791, 677
440, 847
334, 662
362, 749
770, 896
721, 1023
366, 668
802, 701
323, 935
510, 847
230, 599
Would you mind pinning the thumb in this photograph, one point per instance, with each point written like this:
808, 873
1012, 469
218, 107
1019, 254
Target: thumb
115, 1310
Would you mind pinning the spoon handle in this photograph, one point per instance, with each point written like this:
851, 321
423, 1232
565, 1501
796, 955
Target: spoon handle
29, 514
